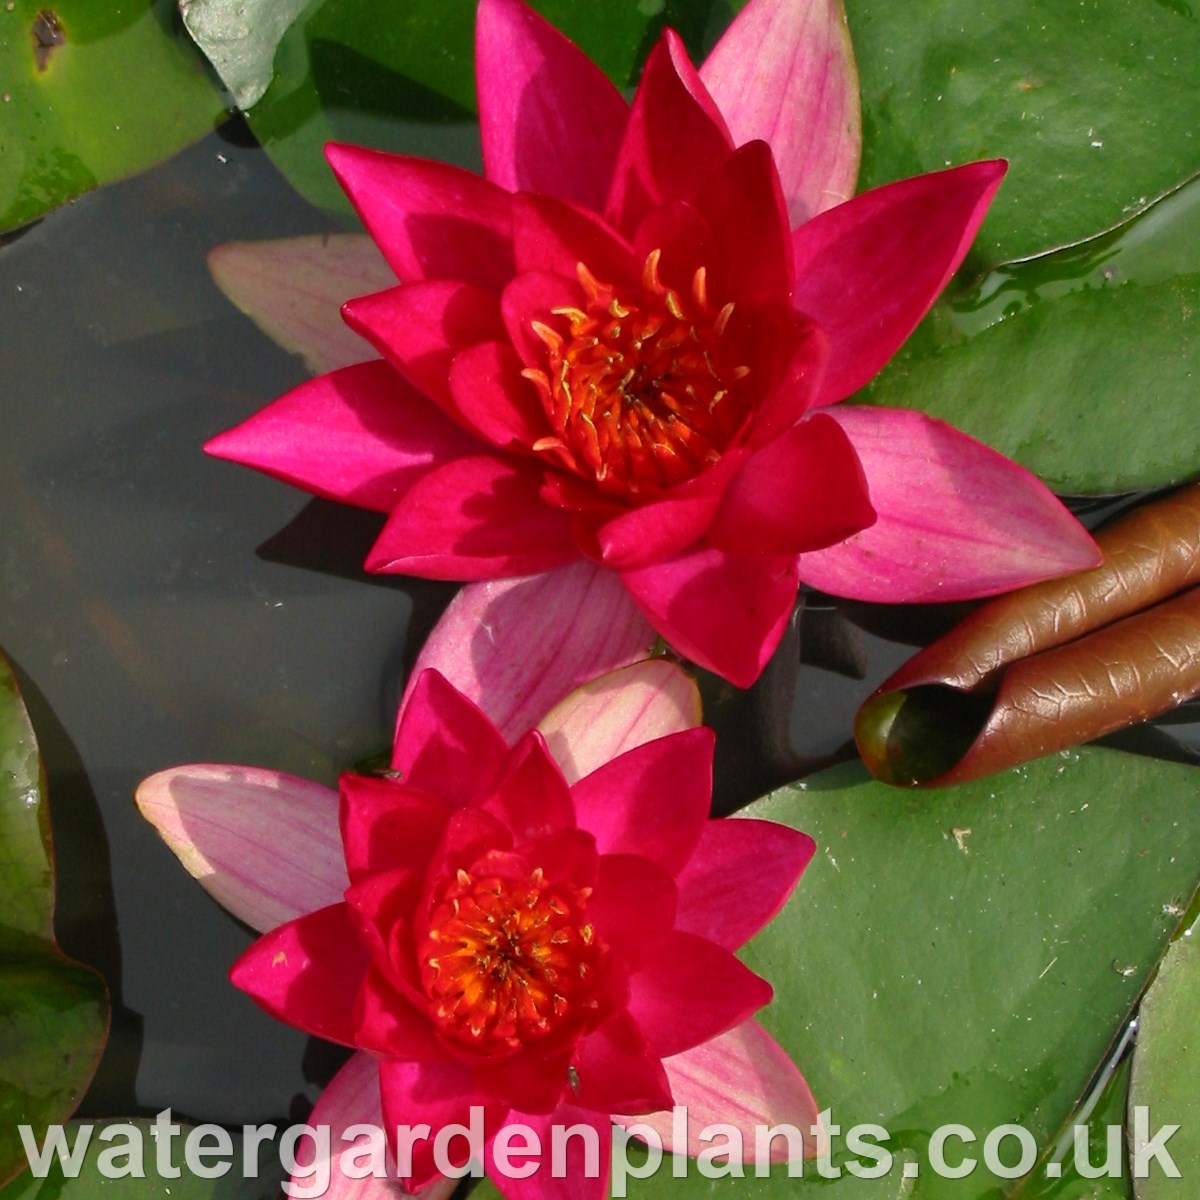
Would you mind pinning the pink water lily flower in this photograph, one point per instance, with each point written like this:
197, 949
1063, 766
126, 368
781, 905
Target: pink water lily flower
624, 343
547, 937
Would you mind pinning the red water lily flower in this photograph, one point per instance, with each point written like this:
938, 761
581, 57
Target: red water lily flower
549, 938
623, 343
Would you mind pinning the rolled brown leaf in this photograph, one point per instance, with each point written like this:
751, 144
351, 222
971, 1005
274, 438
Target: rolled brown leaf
1051, 665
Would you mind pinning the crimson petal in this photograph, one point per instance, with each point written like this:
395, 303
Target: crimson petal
492, 399
617, 1072
552, 235
444, 744
691, 991
675, 139
804, 491
531, 795
725, 612
549, 118
739, 877
419, 327
652, 801
632, 906
475, 518
868, 270
744, 207
386, 824
360, 435
431, 220
308, 973
582, 1176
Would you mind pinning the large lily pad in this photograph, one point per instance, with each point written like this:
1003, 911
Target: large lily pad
53, 1012
1081, 364
966, 956
1095, 105
1166, 1070
92, 91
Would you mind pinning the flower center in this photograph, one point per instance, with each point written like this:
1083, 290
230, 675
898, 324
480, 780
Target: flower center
507, 961
640, 391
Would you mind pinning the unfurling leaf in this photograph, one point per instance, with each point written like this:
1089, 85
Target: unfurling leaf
1051, 665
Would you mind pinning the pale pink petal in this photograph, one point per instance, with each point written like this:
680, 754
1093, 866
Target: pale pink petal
263, 844
292, 289
784, 72
726, 612
361, 435
431, 220
474, 518
352, 1098
956, 519
517, 646
617, 712
549, 118
868, 270
741, 1078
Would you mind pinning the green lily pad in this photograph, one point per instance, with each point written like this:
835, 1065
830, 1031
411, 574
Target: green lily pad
1081, 364
965, 956
1095, 105
399, 75
108, 1150
64, 125
1166, 1070
53, 1012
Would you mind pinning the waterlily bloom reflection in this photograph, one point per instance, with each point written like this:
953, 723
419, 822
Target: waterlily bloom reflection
623, 343
552, 944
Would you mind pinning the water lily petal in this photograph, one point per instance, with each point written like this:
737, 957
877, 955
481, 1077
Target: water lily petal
386, 1024
420, 327
352, 1098
360, 435
531, 795
617, 1071
474, 518
632, 906
803, 491
292, 288
868, 270
725, 612
308, 973
386, 824
431, 220
617, 711
691, 991
800, 350
552, 235
652, 801
784, 71
433, 1094
738, 878
956, 519
673, 143
665, 526
583, 1177
444, 744
518, 646
492, 399
532, 296
263, 844
741, 1078
744, 207
550, 120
